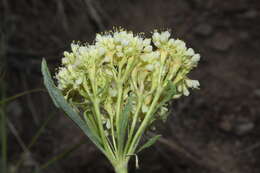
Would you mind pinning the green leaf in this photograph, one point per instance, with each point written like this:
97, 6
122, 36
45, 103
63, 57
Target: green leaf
149, 143
61, 103
92, 126
49, 84
123, 119
170, 91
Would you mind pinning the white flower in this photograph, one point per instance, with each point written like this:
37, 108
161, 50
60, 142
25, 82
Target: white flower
180, 44
149, 67
145, 108
108, 125
79, 81
195, 58
130, 62
83, 50
124, 42
99, 38
190, 52
165, 36
148, 49
171, 42
156, 36
147, 42
185, 91
112, 92
74, 47
65, 60
192, 83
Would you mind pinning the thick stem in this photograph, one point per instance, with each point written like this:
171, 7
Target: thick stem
121, 167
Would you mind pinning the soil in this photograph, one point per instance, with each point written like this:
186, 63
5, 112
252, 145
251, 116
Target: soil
215, 130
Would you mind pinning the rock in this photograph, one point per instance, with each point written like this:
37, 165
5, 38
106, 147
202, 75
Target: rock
221, 42
203, 29
243, 127
257, 92
244, 35
250, 14
239, 126
226, 126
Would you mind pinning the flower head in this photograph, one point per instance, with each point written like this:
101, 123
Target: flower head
119, 65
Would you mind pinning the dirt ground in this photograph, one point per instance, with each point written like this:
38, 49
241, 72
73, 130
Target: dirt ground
215, 130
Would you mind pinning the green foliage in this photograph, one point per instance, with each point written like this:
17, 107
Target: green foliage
149, 143
60, 102
124, 121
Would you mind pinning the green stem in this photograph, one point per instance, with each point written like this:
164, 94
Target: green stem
118, 109
109, 153
133, 125
118, 104
144, 124
113, 133
101, 130
121, 167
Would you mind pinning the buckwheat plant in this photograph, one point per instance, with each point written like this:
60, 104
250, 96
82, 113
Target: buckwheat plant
115, 88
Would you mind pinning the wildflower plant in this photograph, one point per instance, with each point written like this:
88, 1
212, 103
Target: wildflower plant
115, 88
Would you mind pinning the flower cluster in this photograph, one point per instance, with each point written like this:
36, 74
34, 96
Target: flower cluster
120, 65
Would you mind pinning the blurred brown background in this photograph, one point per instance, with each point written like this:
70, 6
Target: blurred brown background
215, 130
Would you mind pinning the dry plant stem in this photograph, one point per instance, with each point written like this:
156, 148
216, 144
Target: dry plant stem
3, 141
3, 132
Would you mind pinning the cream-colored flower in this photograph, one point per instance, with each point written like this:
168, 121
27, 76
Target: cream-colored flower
122, 60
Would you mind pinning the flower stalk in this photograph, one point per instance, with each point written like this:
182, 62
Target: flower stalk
121, 167
117, 87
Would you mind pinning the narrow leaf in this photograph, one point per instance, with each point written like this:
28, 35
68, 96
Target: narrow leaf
123, 119
92, 126
61, 103
149, 143
170, 92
